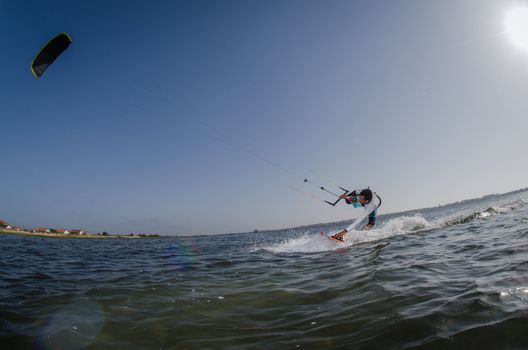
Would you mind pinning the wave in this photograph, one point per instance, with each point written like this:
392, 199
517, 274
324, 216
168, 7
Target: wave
464, 219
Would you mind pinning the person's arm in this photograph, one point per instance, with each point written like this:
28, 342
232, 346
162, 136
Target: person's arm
354, 225
369, 208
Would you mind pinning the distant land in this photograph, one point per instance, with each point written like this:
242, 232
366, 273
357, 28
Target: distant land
6, 228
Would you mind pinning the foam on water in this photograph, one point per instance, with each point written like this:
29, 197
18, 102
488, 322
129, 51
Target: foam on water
315, 242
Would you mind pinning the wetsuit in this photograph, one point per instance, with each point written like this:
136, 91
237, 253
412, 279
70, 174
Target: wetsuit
368, 211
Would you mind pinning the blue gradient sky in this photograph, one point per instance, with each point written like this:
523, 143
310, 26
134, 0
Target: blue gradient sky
425, 101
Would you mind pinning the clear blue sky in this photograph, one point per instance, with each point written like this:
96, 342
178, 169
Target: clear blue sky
425, 101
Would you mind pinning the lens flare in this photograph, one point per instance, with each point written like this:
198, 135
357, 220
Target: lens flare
73, 327
181, 252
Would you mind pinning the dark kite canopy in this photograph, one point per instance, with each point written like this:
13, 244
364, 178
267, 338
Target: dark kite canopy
49, 53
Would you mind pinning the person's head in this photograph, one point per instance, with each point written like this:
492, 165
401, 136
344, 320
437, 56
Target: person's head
365, 196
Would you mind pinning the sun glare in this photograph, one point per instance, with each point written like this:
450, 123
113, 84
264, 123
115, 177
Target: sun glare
517, 26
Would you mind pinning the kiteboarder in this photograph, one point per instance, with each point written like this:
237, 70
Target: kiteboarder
370, 202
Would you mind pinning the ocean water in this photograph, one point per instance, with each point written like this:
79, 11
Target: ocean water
451, 277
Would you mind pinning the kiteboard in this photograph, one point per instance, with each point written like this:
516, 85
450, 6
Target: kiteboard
332, 238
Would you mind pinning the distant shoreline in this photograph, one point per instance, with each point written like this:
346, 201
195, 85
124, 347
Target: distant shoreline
60, 235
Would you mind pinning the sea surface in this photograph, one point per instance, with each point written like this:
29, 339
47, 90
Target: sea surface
451, 277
